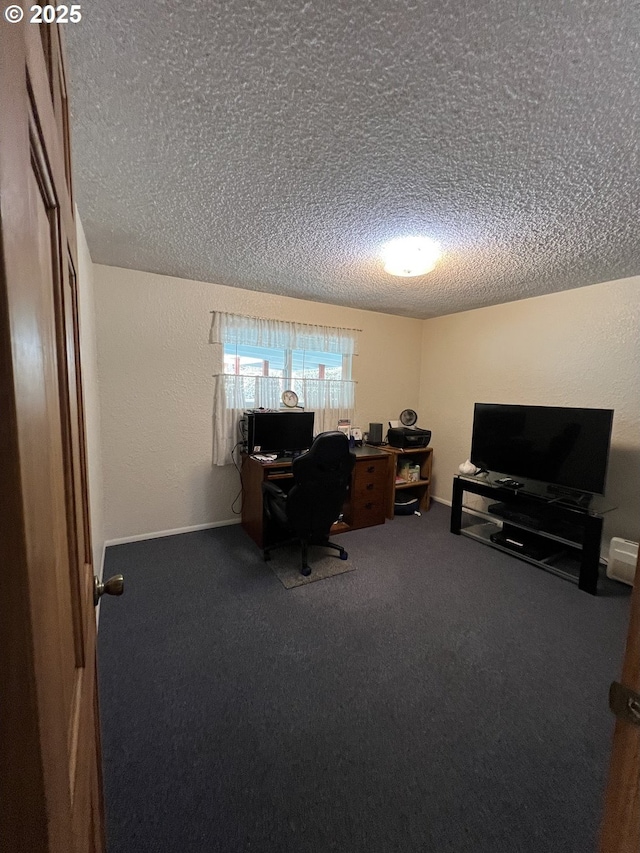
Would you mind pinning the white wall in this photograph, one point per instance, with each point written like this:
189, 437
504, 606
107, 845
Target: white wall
156, 386
88, 355
574, 348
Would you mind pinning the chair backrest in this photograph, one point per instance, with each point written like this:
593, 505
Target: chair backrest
321, 482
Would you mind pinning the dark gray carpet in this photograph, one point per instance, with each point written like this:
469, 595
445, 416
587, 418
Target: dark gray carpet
443, 697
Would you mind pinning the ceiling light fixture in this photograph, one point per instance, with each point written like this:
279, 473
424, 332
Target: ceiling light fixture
410, 256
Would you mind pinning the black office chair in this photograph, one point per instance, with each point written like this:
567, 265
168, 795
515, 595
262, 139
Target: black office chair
321, 479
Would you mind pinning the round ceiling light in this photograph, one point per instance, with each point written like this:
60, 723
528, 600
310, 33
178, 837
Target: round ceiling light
410, 256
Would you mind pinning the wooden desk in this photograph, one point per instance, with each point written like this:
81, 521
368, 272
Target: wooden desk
366, 502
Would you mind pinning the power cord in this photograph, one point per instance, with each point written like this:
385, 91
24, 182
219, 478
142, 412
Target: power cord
239, 470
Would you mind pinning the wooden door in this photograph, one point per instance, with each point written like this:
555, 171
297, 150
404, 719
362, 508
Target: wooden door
50, 774
620, 831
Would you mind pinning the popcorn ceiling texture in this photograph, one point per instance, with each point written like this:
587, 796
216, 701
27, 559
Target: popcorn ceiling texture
276, 145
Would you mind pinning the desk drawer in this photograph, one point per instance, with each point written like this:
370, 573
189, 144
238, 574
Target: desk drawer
368, 472
366, 512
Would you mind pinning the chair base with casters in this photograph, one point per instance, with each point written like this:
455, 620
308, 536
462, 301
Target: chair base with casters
305, 568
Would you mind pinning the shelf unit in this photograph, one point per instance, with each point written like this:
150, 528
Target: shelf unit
551, 533
423, 456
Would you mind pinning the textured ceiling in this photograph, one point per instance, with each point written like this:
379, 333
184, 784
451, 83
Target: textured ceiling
275, 145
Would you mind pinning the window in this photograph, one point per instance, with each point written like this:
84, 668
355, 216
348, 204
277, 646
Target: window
259, 359
244, 360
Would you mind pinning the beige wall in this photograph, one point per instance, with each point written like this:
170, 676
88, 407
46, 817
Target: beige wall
87, 321
156, 386
575, 348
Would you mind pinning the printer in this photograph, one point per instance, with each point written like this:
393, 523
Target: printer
408, 438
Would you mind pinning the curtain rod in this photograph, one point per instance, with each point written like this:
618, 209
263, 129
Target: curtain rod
288, 378
311, 325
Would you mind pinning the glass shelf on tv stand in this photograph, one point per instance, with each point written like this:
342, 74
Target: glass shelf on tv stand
597, 505
481, 524
561, 558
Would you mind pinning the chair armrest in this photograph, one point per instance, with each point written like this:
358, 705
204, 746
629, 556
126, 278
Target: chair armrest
272, 490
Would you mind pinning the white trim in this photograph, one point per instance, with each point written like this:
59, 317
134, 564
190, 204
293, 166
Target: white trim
100, 574
441, 500
104, 551
158, 534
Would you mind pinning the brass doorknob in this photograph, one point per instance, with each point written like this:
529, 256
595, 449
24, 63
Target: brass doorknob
114, 586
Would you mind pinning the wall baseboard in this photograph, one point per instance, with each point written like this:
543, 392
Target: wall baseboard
158, 534
441, 500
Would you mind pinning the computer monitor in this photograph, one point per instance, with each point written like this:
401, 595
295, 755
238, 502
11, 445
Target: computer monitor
279, 432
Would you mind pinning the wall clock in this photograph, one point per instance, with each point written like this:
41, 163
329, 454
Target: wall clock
290, 399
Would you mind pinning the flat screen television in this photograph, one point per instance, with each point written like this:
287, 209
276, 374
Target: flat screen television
279, 432
562, 447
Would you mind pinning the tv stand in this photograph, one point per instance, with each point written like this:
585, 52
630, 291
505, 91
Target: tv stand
580, 499
555, 533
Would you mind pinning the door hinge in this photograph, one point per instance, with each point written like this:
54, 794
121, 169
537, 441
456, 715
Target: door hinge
625, 703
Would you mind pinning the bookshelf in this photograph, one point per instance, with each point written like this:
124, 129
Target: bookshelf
423, 457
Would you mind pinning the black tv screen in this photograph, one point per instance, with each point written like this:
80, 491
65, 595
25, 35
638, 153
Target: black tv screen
280, 432
564, 447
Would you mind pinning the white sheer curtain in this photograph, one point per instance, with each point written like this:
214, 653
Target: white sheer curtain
329, 399
256, 331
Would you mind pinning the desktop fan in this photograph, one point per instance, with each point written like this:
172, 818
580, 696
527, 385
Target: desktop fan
408, 417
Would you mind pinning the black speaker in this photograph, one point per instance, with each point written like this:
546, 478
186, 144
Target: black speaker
375, 433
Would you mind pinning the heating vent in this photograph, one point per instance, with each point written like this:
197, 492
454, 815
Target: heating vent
623, 556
